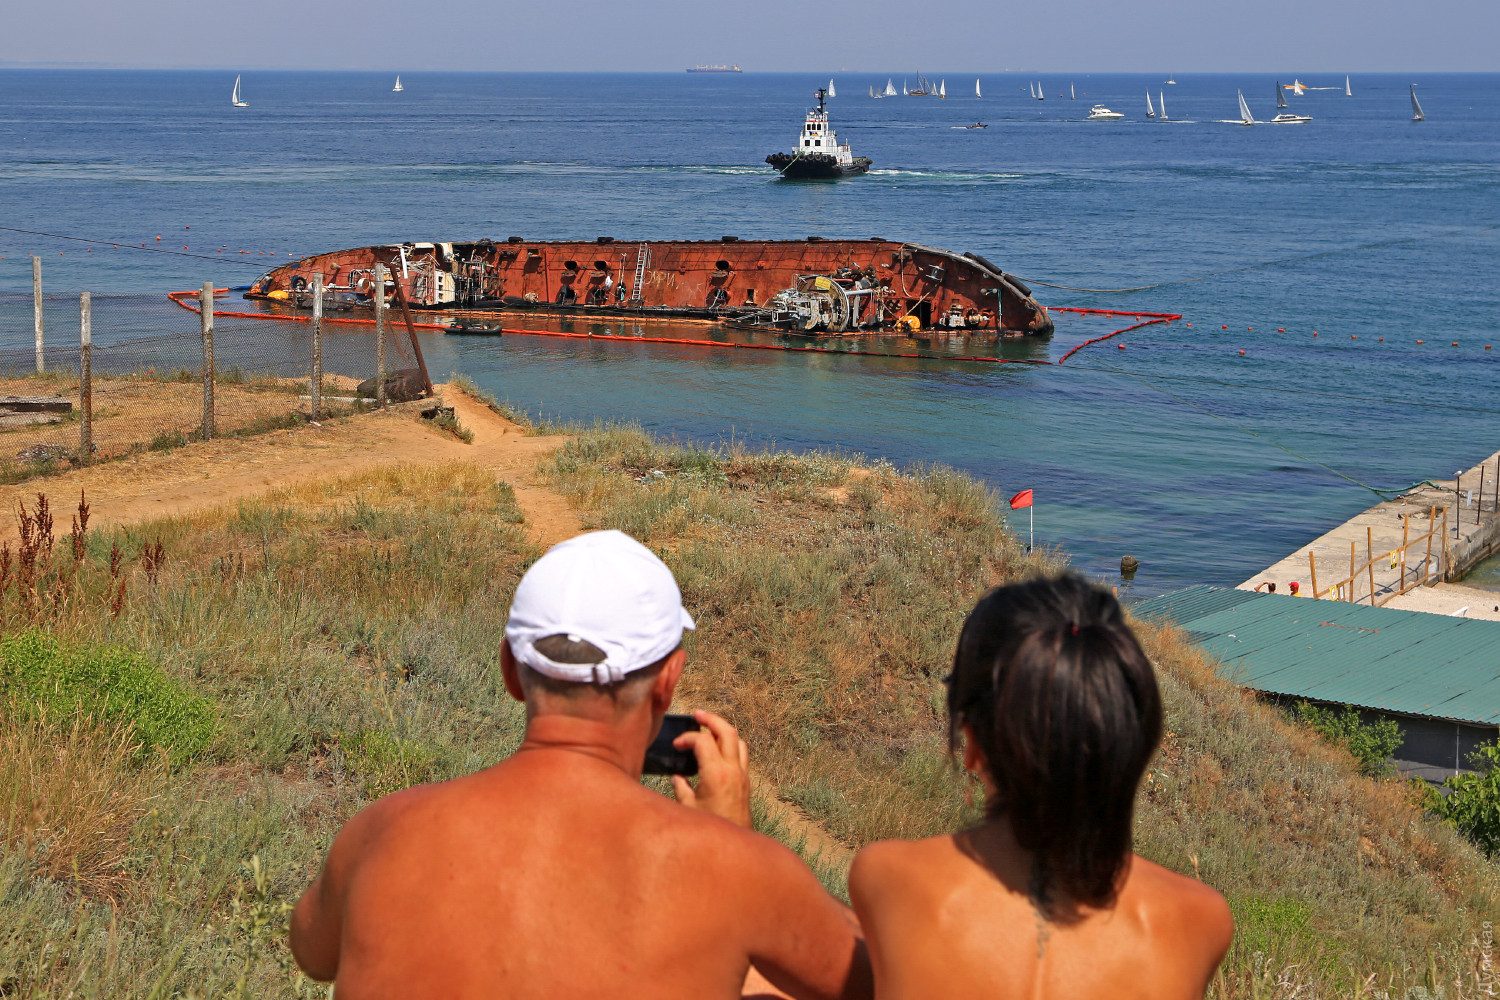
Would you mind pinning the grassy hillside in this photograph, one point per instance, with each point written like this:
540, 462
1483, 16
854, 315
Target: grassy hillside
340, 641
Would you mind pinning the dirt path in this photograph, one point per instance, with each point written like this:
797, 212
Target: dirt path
209, 474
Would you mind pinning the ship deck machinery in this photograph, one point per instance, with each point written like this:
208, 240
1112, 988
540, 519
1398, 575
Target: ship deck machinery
880, 284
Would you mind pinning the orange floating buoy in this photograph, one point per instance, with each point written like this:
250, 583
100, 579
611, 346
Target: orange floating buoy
1120, 346
1353, 336
1486, 347
1421, 341
1381, 339
1455, 343
187, 227
1190, 326
1315, 333
1224, 327
88, 249
184, 246
1281, 329
158, 239
1242, 354
1249, 328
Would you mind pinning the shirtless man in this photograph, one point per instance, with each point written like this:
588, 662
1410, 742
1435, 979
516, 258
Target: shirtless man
555, 873
1059, 713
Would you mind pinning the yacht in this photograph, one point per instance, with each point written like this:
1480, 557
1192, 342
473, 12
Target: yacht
1290, 119
1099, 113
240, 102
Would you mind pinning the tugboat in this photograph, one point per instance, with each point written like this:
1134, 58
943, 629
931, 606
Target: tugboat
819, 155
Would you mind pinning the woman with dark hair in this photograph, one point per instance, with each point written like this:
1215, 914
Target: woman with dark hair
1056, 709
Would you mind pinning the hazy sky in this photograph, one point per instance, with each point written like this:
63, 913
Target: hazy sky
1078, 36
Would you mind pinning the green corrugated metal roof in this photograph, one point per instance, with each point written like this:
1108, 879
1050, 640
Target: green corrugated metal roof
1379, 658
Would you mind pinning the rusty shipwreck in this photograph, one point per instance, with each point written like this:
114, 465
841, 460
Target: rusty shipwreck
812, 287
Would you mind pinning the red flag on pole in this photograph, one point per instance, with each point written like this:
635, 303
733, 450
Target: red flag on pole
1021, 499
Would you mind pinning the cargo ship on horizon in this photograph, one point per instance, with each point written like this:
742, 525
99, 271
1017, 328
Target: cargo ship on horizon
720, 68
813, 286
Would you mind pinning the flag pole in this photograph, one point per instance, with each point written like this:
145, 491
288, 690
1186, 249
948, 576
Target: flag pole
1031, 544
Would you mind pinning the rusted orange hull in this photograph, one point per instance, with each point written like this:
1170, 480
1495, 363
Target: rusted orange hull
891, 283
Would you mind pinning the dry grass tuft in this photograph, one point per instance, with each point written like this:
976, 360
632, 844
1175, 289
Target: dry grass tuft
70, 794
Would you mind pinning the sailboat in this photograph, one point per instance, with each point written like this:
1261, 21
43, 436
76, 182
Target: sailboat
1299, 88
1163, 102
904, 91
875, 95
1280, 95
1347, 91
890, 88
831, 91
235, 99
1246, 118
943, 89
1041, 94
1072, 94
1416, 109
1150, 111
977, 94
1031, 87
397, 88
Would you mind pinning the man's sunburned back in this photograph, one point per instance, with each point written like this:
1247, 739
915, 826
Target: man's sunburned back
952, 916
549, 875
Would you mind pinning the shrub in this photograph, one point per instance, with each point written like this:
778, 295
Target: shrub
1472, 804
1372, 743
111, 684
387, 763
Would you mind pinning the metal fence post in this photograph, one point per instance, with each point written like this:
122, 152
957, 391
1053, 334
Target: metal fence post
380, 335
206, 322
36, 310
85, 379
317, 344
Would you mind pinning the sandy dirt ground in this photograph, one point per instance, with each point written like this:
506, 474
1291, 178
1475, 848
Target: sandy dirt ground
1450, 599
207, 474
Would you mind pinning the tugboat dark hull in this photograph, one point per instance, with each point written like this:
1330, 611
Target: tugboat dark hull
816, 166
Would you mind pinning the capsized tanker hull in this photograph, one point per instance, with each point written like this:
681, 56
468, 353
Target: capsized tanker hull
888, 283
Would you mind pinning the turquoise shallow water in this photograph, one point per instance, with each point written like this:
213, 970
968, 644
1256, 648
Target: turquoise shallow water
1204, 463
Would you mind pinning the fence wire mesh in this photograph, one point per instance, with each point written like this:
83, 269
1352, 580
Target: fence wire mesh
147, 364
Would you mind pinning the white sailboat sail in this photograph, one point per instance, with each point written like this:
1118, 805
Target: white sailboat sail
1347, 91
904, 91
872, 90
1280, 95
1298, 88
831, 91
1162, 102
1245, 117
942, 88
1416, 108
890, 88
977, 94
1041, 94
1072, 94
1150, 111
239, 102
1032, 88
397, 88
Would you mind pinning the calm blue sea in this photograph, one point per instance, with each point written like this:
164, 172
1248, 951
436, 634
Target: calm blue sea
1177, 450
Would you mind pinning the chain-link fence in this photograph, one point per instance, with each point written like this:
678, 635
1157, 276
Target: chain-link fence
123, 373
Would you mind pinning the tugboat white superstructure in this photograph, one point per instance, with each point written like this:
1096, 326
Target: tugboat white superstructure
819, 155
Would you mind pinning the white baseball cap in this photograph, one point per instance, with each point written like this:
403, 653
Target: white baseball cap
605, 588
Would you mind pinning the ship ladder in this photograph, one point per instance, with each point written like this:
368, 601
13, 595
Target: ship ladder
642, 259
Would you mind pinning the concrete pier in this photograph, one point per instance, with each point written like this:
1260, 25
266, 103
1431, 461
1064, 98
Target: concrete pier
1472, 534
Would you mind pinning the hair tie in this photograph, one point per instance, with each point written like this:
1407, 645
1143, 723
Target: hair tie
1074, 628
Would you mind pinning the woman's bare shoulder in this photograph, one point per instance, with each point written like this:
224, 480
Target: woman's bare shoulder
1167, 897
887, 865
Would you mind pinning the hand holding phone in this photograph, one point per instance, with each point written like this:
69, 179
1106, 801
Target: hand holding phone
723, 765
663, 757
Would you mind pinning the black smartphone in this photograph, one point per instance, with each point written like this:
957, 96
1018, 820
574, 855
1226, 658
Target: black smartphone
663, 758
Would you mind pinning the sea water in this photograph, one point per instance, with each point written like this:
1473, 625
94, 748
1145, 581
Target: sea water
1204, 463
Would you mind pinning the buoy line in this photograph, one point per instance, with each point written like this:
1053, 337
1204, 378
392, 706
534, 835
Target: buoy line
184, 299
131, 246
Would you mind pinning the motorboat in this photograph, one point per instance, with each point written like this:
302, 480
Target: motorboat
1290, 119
819, 155
977, 125
1099, 113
